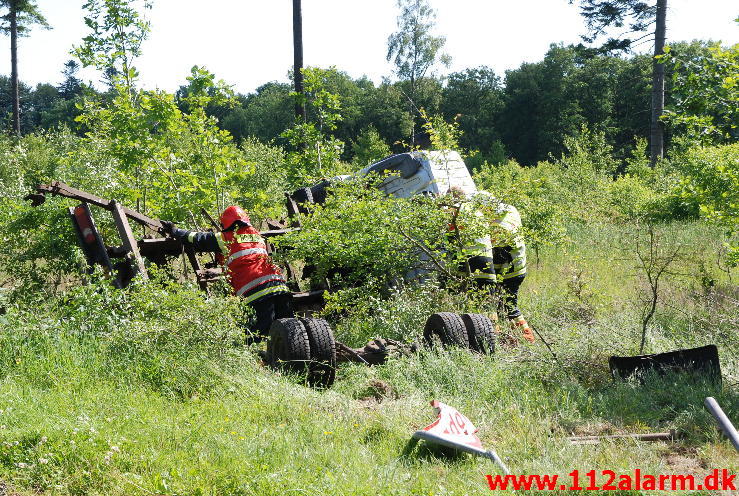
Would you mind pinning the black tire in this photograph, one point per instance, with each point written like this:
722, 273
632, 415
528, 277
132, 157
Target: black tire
480, 331
322, 367
288, 347
302, 198
448, 328
319, 192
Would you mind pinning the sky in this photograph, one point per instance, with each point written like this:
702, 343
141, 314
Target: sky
249, 42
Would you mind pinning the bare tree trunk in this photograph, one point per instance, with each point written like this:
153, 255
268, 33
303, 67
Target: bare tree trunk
14, 67
658, 85
298, 55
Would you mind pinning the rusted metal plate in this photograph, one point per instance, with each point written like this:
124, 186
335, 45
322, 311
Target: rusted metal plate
91, 241
129, 242
157, 247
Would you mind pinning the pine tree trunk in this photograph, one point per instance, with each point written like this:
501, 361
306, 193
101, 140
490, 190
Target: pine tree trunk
658, 85
14, 66
411, 105
298, 56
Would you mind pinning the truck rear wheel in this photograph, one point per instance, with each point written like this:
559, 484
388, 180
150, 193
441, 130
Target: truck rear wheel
480, 331
288, 347
448, 328
322, 365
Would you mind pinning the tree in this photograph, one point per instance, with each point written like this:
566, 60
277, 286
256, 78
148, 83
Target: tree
706, 93
72, 85
639, 16
263, 115
298, 59
413, 49
22, 14
475, 98
117, 33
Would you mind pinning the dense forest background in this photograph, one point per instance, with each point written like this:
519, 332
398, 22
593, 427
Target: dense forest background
523, 114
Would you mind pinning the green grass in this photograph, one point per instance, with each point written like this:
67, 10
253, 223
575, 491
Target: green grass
147, 392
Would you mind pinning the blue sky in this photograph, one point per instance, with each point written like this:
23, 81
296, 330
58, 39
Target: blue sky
249, 42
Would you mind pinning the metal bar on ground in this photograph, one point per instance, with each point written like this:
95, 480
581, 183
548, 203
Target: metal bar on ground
656, 436
129, 242
195, 267
277, 232
723, 421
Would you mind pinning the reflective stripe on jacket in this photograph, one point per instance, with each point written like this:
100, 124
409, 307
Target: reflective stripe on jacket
508, 220
478, 255
250, 269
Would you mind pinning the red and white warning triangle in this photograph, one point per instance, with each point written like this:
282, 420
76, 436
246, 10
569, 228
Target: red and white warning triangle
453, 429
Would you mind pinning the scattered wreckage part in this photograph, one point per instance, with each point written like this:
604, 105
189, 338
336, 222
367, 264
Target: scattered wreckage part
288, 347
129, 242
448, 328
656, 436
481, 332
346, 354
322, 367
59, 188
703, 360
376, 352
453, 430
275, 224
308, 302
215, 225
36, 199
292, 209
723, 421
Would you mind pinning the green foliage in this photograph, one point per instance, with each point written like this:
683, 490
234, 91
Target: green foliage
443, 135
27, 14
474, 98
315, 153
365, 238
413, 49
706, 94
532, 190
600, 15
369, 148
118, 29
711, 179
168, 161
263, 115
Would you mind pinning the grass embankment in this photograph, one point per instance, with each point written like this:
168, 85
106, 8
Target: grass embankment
146, 392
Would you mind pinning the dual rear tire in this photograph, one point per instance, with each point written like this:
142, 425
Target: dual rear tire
303, 346
469, 330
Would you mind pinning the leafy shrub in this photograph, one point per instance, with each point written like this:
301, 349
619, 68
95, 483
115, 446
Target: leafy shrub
711, 179
363, 237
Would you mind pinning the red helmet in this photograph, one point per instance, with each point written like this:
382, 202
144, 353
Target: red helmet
232, 214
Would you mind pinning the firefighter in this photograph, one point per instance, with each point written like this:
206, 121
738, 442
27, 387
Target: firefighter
243, 252
509, 255
477, 257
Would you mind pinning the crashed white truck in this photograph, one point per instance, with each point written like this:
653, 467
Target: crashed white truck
407, 174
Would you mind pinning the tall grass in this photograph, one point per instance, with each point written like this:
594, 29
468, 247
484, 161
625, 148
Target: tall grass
150, 391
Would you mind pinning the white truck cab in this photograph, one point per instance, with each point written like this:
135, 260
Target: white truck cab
423, 172
408, 174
